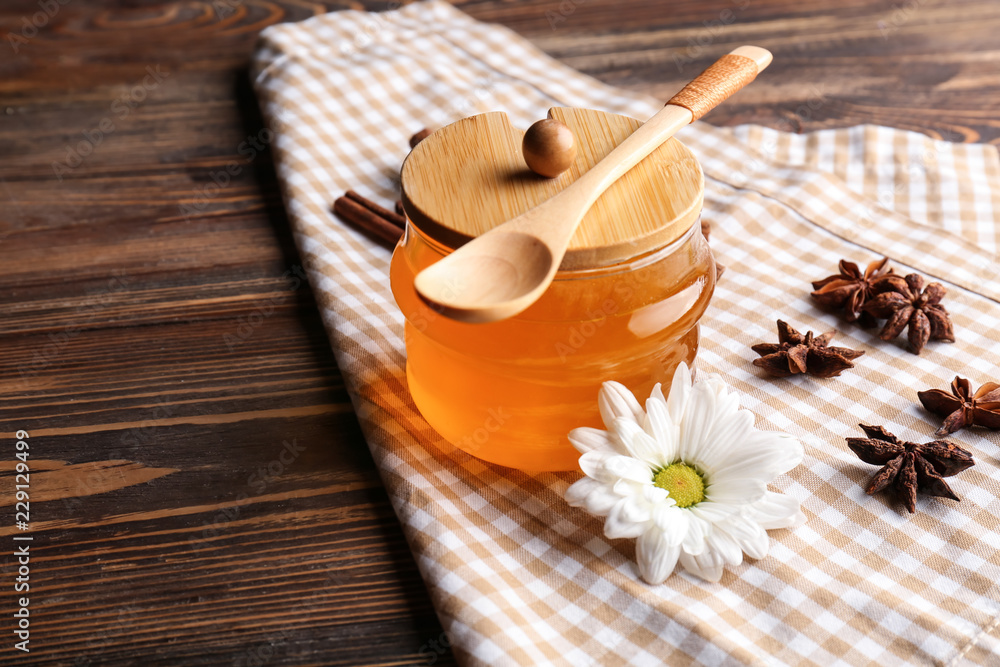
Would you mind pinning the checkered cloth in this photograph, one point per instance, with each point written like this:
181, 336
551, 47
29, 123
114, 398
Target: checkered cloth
516, 575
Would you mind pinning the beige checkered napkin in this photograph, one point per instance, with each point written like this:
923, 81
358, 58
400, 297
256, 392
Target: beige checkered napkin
518, 577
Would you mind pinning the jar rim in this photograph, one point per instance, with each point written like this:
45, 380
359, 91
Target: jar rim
640, 260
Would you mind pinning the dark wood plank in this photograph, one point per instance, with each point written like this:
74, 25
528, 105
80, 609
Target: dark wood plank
926, 65
161, 359
202, 492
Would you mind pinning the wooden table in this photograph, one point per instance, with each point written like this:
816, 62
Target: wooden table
200, 490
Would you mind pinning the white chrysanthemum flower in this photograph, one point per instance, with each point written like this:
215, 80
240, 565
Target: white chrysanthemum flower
687, 476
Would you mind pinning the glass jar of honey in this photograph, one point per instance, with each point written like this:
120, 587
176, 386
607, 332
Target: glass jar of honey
624, 305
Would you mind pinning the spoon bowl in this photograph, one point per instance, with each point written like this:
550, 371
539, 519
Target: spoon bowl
520, 269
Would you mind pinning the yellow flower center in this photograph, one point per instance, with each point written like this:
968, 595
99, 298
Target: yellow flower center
684, 484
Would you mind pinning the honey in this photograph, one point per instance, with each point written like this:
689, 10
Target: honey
624, 306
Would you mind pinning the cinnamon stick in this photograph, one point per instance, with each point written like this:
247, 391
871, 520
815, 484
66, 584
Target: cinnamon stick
363, 218
419, 136
394, 218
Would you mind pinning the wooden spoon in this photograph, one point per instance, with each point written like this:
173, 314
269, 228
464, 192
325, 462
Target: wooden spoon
500, 273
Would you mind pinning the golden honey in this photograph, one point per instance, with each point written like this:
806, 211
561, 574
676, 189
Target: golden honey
509, 392
624, 306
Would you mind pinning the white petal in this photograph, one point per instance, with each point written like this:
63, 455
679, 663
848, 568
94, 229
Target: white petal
694, 540
724, 547
738, 527
748, 536
615, 400
790, 452
723, 439
663, 429
673, 522
708, 565
593, 464
716, 383
656, 557
697, 424
773, 453
639, 443
597, 498
586, 439
761, 463
617, 524
713, 512
600, 501
775, 510
636, 510
576, 494
680, 391
657, 393
626, 488
728, 402
654, 495
745, 490
722, 543
626, 467
756, 547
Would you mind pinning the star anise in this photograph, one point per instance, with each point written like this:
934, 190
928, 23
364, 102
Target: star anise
962, 408
905, 302
850, 289
910, 467
796, 353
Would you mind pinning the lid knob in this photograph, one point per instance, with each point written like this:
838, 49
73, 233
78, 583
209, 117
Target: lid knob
549, 148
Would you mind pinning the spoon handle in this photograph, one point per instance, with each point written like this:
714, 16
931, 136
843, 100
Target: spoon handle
709, 89
723, 78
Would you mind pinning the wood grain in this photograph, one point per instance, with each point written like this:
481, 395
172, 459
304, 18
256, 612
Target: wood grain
154, 341
457, 186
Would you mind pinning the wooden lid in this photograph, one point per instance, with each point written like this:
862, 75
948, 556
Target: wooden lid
469, 177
